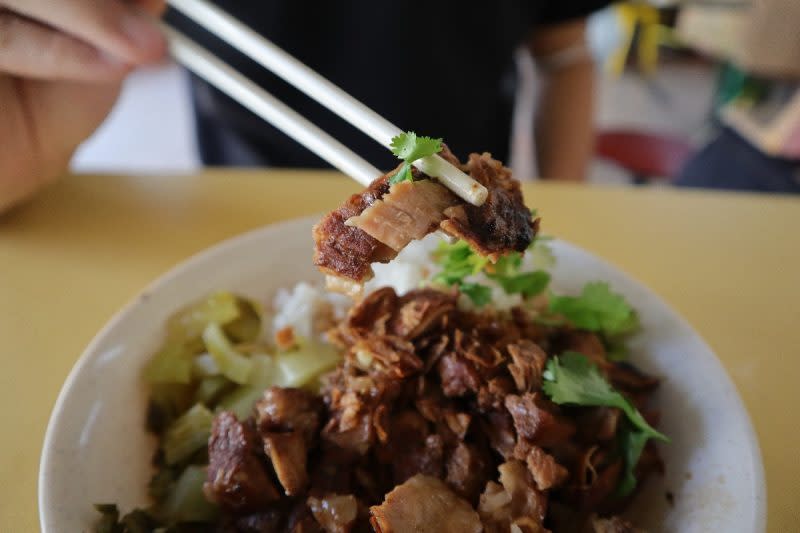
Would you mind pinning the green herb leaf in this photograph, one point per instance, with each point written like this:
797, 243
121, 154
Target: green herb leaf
528, 283
573, 379
409, 147
597, 309
479, 294
404, 174
631, 443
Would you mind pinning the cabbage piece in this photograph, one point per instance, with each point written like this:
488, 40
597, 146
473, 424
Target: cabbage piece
172, 364
230, 362
299, 367
186, 501
187, 434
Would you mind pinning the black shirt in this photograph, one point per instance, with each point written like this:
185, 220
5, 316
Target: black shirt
440, 67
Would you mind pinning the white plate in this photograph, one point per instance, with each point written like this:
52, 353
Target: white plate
96, 449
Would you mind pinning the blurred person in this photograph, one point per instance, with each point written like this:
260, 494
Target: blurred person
442, 68
769, 53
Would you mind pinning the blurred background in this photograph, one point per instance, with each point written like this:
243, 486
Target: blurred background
679, 83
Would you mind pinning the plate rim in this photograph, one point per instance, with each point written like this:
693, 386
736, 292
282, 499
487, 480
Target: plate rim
47, 455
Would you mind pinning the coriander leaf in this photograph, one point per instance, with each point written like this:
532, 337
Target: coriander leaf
534, 212
573, 379
631, 443
479, 294
527, 283
404, 174
409, 147
597, 309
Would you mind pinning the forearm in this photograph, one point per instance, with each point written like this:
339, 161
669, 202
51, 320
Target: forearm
564, 119
564, 123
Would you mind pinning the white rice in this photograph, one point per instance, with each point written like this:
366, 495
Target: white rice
305, 306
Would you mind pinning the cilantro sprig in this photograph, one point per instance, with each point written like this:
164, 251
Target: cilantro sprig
597, 309
573, 379
459, 261
410, 147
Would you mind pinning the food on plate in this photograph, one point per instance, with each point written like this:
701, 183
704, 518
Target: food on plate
460, 392
405, 205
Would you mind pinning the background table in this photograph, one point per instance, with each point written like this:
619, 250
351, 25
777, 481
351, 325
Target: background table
730, 263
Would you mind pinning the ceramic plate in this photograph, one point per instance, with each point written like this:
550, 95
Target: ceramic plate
96, 449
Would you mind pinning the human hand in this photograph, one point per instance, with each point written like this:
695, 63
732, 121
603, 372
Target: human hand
62, 63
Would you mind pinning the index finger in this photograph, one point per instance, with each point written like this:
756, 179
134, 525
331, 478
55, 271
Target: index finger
122, 30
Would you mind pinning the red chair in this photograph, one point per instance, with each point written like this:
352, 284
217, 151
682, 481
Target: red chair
647, 156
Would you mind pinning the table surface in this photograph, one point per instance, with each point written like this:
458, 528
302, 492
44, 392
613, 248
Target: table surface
729, 263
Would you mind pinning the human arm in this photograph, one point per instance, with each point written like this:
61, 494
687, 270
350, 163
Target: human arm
564, 118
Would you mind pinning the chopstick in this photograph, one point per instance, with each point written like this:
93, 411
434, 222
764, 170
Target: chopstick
294, 72
223, 77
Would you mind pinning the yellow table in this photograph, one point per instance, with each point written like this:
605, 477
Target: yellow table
730, 263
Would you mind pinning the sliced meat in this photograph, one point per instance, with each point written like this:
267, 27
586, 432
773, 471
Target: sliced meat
374, 225
288, 409
387, 355
515, 501
335, 513
546, 472
468, 469
458, 376
424, 504
535, 422
288, 454
527, 365
237, 478
502, 224
420, 310
347, 251
408, 212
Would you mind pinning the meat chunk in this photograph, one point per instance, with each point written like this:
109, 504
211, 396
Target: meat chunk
502, 224
237, 479
424, 504
374, 225
468, 470
410, 211
420, 310
514, 501
288, 453
287, 409
347, 251
459, 377
535, 422
335, 513
527, 365
546, 472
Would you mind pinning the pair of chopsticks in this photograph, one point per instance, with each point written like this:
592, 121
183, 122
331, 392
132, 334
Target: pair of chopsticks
226, 79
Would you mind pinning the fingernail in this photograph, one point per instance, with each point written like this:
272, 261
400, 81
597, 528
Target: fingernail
142, 30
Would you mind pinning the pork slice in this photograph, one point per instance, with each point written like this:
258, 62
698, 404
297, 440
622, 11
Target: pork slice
424, 504
344, 251
468, 469
546, 472
411, 210
515, 501
288, 454
527, 364
237, 478
537, 423
459, 376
